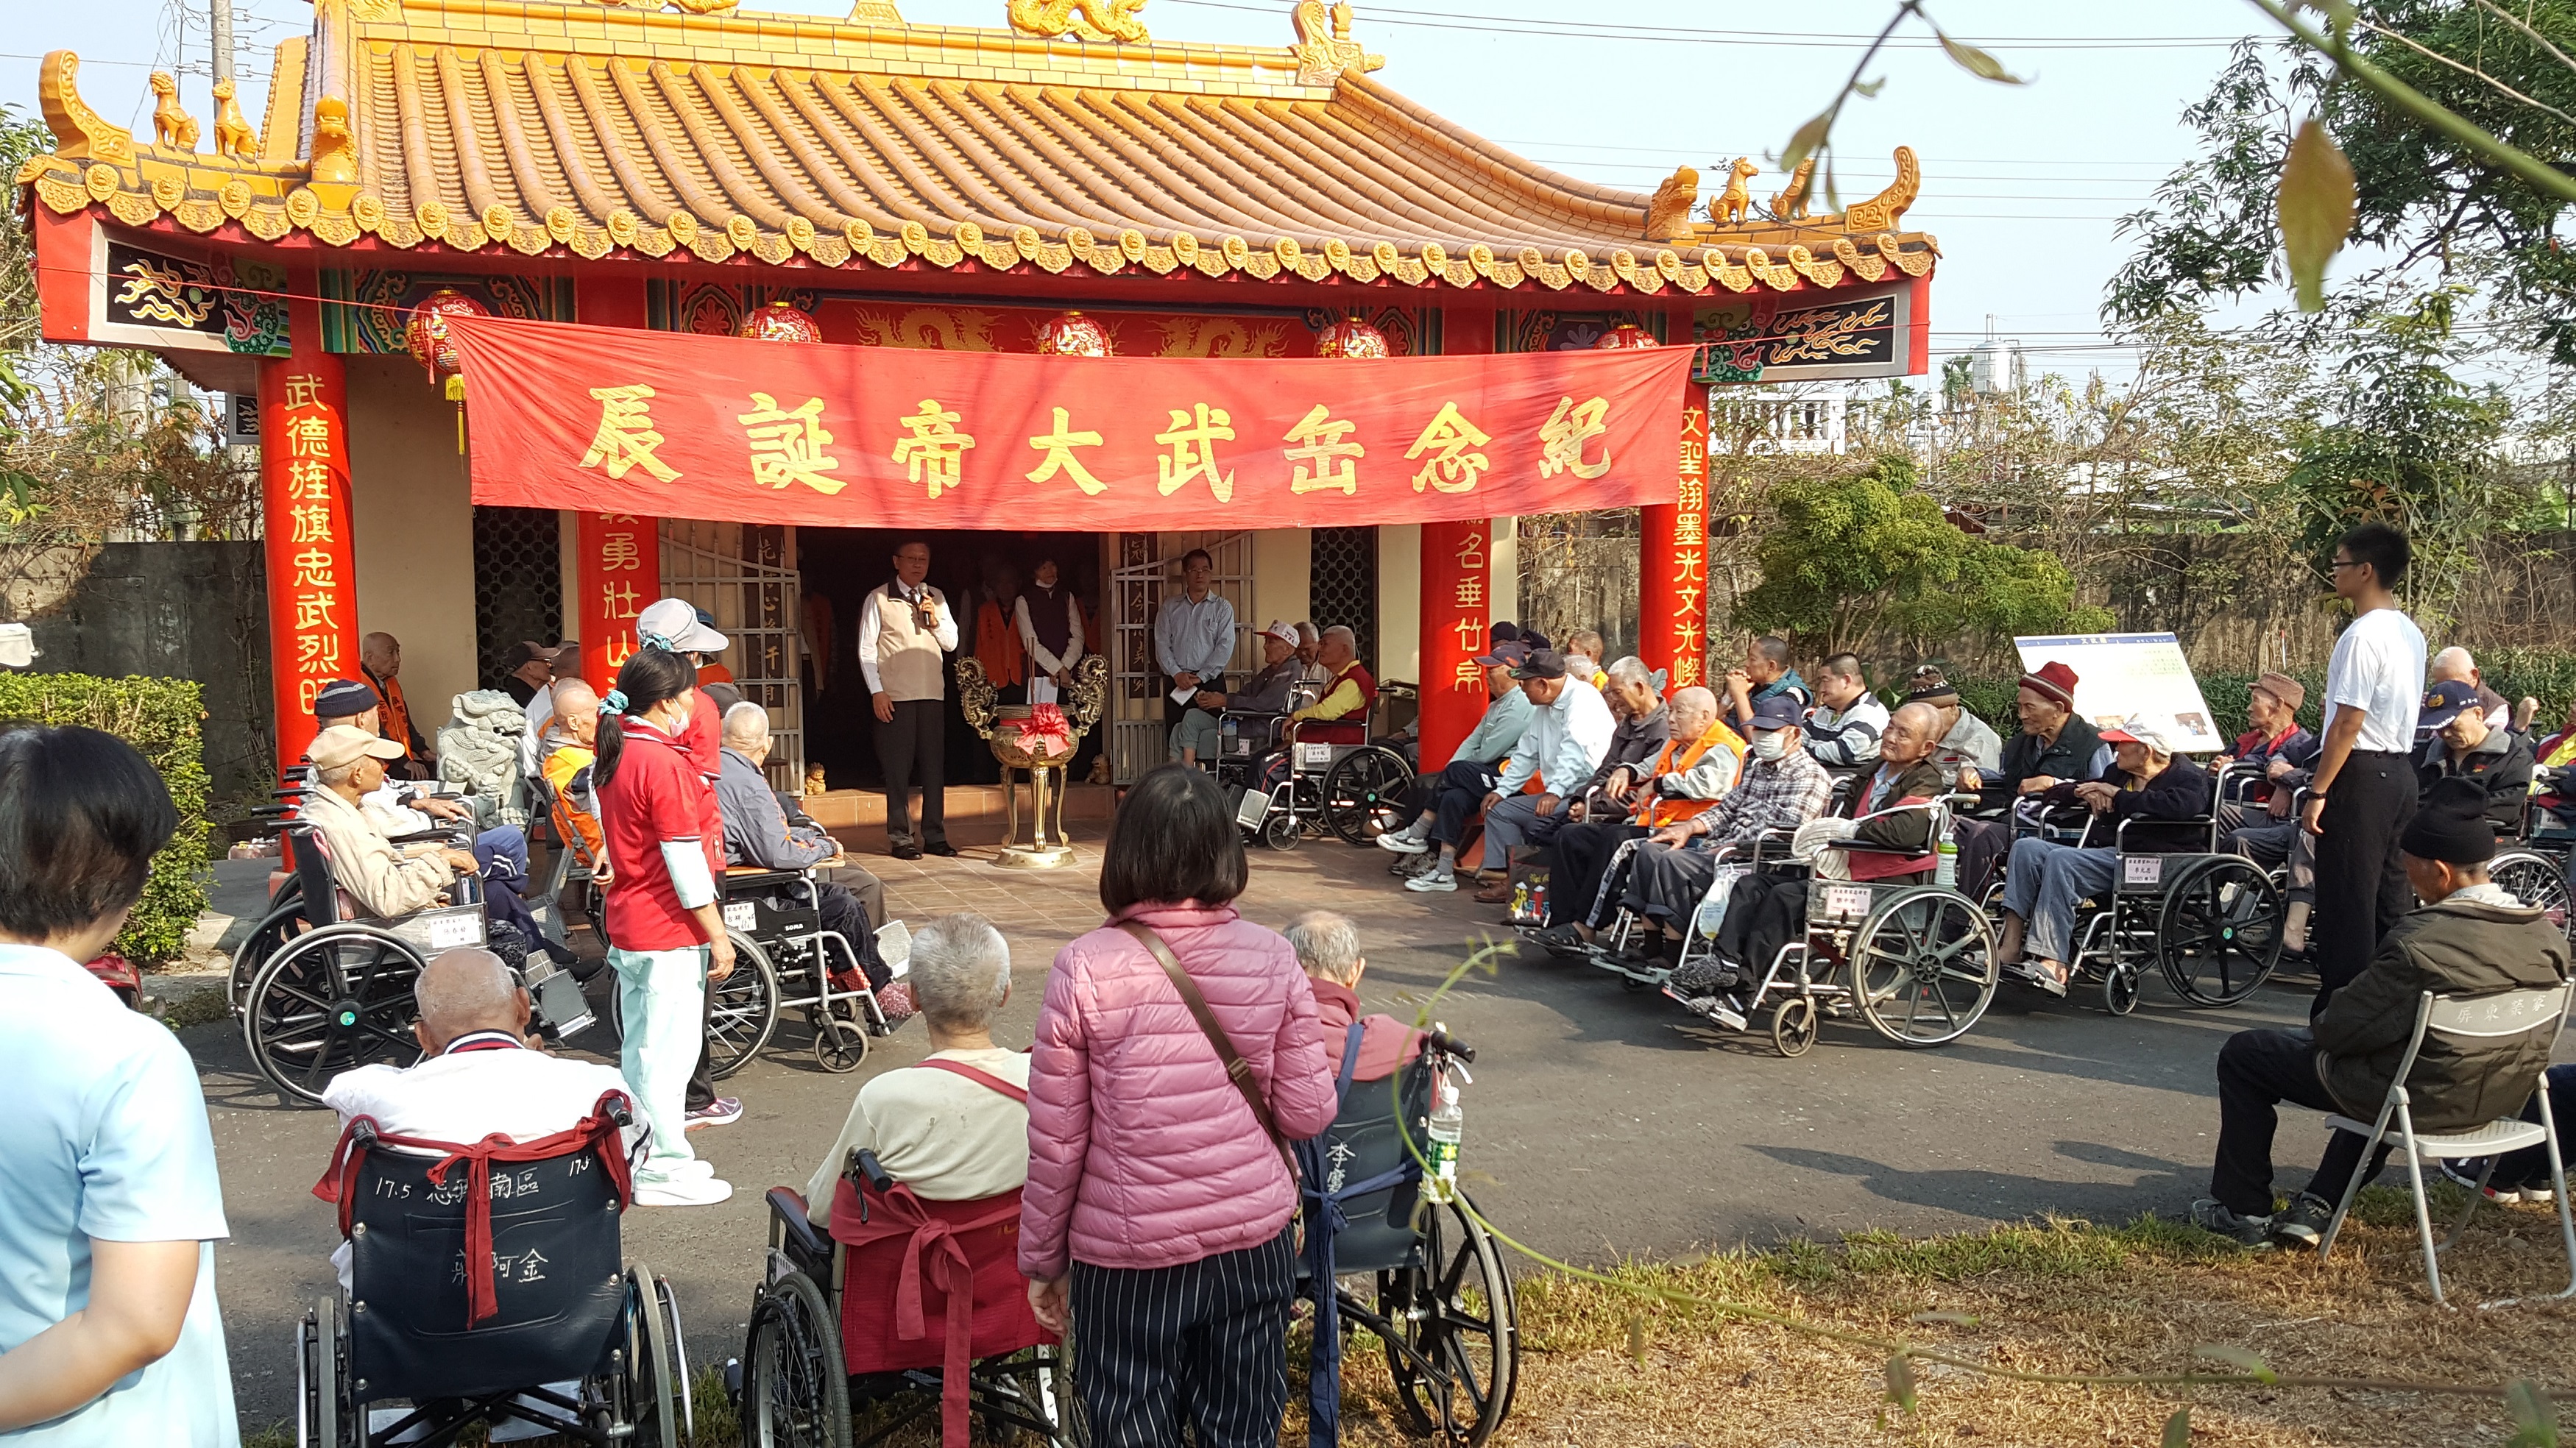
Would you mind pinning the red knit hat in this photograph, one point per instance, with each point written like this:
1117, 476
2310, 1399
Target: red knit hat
2053, 679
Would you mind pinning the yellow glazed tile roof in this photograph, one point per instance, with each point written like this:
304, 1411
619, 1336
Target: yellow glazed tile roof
539, 127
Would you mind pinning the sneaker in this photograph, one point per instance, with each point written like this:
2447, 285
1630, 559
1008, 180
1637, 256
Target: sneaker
684, 1192
2303, 1221
2467, 1172
1444, 881
1403, 842
2254, 1234
723, 1111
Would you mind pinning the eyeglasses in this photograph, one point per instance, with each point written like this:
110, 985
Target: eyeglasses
2347, 563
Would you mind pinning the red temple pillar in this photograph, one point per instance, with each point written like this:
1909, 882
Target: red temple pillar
1672, 545
618, 570
304, 511
1456, 559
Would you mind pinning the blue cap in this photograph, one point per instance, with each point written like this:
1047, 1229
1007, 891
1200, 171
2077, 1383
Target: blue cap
2446, 701
1780, 711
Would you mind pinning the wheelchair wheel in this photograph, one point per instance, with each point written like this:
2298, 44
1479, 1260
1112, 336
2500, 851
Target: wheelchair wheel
839, 1045
2536, 879
321, 1378
1793, 1026
745, 1012
2120, 988
1282, 831
798, 1390
1923, 966
333, 1000
1457, 1352
1364, 793
2219, 934
661, 1383
275, 929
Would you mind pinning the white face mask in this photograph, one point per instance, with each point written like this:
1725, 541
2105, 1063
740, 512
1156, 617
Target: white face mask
1770, 743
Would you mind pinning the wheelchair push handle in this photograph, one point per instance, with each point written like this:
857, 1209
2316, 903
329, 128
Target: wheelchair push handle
871, 1170
1440, 1040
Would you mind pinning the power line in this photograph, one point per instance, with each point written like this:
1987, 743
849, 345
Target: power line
1797, 40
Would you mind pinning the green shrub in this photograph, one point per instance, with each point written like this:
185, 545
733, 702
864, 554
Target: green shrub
160, 718
2548, 675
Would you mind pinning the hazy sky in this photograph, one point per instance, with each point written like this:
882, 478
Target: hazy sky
2021, 184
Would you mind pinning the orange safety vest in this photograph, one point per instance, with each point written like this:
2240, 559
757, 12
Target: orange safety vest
1656, 811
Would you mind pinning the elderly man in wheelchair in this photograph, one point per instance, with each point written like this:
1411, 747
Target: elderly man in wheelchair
1383, 1205
1312, 767
894, 1276
479, 1195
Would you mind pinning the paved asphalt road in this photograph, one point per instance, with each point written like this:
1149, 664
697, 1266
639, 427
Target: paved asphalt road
1608, 1122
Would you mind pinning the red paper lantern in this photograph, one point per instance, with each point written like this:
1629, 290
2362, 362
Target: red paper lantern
1073, 335
779, 322
1351, 337
427, 334
1627, 336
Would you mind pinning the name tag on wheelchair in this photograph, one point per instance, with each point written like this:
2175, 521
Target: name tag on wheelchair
1314, 756
448, 932
2142, 869
1846, 902
739, 915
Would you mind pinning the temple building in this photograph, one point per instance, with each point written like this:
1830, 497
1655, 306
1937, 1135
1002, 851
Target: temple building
707, 170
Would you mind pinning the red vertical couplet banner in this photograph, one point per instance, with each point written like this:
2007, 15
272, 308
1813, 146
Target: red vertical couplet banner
304, 508
619, 572
1672, 545
1457, 561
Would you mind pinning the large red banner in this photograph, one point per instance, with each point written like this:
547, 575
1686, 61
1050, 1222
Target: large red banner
304, 502
666, 424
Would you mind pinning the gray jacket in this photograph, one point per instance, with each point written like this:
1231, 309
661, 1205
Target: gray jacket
755, 828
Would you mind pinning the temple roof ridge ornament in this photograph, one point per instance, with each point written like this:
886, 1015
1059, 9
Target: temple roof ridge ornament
1095, 21
1324, 48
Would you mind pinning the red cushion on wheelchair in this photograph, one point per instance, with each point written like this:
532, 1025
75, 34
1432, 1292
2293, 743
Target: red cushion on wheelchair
909, 1258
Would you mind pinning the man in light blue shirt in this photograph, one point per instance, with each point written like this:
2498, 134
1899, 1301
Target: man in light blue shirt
1193, 633
1446, 801
109, 1330
1569, 731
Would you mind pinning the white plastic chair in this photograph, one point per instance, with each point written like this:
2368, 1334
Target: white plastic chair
2542, 1011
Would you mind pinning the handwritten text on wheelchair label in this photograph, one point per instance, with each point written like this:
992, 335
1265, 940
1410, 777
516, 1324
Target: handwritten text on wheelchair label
2142, 869
738, 915
1844, 902
447, 932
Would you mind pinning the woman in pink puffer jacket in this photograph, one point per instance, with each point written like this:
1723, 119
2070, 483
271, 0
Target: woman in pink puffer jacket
1157, 1207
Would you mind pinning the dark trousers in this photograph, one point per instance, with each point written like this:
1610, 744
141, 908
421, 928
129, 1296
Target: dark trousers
1983, 844
1205, 1342
1763, 913
843, 912
2529, 1167
913, 747
1453, 796
2257, 1071
1666, 884
1582, 855
2361, 887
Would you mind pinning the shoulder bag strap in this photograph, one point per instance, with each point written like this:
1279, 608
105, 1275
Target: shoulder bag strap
1237, 1070
981, 1078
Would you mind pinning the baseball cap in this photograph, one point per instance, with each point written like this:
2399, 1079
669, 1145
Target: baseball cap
676, 624
2446, 701
2156, 731
342, 745
1541, 664
343, 699
1777, 712
1511, 655
1286, 633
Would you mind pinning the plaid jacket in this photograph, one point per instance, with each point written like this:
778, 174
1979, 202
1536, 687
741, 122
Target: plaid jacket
1773, 794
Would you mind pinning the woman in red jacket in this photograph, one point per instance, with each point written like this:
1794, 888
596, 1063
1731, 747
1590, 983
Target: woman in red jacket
1159, 1199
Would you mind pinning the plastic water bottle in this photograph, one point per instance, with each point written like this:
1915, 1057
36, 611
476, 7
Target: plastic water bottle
1945, 860
1448, 1125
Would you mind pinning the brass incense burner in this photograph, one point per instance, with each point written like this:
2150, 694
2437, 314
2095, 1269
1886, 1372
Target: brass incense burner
1003, 729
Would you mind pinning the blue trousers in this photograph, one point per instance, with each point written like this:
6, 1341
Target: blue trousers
2042, 884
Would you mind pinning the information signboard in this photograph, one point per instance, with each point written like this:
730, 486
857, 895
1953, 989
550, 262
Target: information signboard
2121, 676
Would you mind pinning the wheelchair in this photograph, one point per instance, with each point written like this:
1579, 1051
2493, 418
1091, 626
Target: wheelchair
783, 960
1327, 778
2211, 923
825, 1337
1914, 959
2533, 866
567, 1341
318, 994
1407, 1258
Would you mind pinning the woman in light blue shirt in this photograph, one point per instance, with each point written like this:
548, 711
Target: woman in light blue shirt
109, 1333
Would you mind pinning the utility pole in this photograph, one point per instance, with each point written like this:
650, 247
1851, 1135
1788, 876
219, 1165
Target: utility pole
222, 26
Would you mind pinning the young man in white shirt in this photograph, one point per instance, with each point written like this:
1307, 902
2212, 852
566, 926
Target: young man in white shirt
2364, 789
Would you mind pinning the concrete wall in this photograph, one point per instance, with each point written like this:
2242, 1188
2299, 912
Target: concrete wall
178, 611
1283, 568
1399, 601
414, 520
